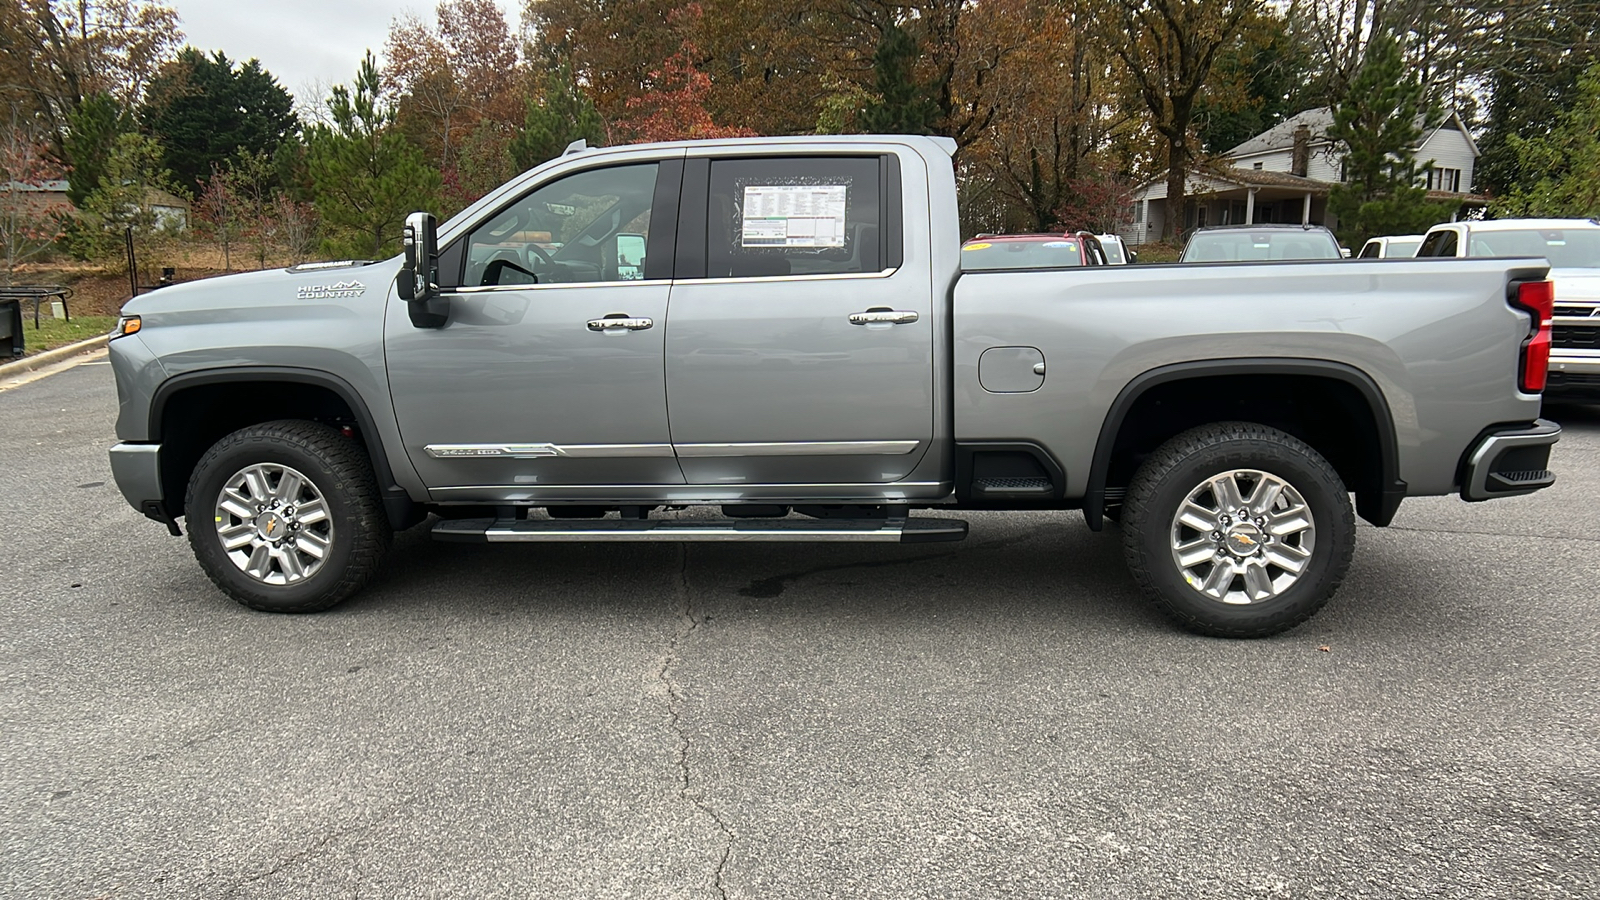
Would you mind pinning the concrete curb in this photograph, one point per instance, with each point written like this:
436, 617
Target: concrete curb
49, 357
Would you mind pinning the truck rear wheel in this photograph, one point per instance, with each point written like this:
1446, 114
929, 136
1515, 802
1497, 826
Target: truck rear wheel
285, 516
1237, 530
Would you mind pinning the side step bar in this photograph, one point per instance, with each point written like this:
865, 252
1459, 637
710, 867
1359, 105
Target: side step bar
895, 530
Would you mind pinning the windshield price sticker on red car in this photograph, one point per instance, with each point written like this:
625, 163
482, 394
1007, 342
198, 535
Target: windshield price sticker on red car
794, 215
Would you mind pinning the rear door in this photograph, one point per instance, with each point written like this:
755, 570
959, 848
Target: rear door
799, 351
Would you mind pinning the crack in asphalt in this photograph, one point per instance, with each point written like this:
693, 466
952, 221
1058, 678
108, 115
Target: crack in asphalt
302, 855
767, 588
675, 701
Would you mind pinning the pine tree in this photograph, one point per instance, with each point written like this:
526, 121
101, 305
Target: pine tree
366, 177
1562, 168
903, 105
562, 115
205, 109
1380, 120
93, 130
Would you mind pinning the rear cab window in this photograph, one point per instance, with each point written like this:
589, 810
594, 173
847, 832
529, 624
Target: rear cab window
1245, 246
1566, 248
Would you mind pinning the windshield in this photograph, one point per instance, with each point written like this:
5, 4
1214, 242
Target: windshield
1398, 247
1043, 254
1236, 246
1567, 248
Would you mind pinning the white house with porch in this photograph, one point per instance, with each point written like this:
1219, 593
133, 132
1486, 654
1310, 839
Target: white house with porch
1285, 173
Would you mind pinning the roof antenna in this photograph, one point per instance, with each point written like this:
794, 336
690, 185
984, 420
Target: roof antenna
577, 146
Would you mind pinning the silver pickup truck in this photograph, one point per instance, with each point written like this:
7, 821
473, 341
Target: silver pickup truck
778, 332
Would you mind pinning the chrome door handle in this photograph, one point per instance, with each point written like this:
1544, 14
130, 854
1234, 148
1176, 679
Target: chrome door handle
620, 322
884, 317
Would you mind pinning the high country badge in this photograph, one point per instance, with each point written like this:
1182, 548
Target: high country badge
334, 291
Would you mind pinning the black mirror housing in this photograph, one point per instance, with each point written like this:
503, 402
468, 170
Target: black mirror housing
418, 283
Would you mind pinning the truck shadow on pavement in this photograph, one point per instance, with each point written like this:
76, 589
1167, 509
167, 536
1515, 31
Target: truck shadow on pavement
1581, 417
1050, 564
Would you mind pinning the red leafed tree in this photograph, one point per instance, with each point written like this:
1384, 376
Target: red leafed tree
673, 105
674, 108
29, 224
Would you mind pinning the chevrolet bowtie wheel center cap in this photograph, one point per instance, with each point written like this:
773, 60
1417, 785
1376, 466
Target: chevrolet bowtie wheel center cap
1244, 540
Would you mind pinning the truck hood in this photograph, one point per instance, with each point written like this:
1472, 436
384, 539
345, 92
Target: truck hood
1576, 284
316, 284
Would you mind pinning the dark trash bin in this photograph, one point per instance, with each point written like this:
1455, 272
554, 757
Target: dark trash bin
10, 327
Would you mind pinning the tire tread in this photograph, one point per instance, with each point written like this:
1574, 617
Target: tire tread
354, 481
1141, 497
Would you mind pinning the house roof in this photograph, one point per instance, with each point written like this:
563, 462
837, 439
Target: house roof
1281, 135
1265, 178
57, 186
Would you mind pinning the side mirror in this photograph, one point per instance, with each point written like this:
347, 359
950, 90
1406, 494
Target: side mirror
1133, 256
418, 283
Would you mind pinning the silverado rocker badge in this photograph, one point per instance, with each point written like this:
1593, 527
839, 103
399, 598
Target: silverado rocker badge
332, 291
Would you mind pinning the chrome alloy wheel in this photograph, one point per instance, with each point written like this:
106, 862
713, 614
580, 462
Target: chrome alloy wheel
1243, 536
274, 524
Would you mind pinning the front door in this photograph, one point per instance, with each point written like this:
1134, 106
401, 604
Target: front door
805, 353
548, 376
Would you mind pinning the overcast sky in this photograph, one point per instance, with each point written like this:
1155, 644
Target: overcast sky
307, 44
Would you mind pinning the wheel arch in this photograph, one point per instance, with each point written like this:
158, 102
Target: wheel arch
1370, 461
298, 393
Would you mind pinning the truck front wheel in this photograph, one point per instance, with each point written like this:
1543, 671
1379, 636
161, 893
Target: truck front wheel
285, 516
1237, 530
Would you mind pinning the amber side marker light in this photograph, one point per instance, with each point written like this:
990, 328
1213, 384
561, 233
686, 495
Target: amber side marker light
126, 325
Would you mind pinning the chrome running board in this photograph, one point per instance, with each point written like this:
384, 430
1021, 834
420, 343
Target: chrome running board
894, 530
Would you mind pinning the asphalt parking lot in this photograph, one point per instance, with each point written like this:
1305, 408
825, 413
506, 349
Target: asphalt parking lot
999, 718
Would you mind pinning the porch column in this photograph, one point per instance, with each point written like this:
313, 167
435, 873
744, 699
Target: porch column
1144, 229
1250, 206
1305, 211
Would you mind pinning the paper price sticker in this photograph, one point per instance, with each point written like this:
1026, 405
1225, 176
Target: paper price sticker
794, 215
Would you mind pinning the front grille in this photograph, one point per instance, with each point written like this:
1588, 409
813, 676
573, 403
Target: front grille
1576, 337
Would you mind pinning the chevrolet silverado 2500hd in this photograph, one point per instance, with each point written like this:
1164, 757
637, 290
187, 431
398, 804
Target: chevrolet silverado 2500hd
781, 328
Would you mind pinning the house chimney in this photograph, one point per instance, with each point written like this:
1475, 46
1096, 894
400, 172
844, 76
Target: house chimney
1300, 161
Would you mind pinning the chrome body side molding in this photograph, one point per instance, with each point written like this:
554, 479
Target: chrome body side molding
537, 451
800, 448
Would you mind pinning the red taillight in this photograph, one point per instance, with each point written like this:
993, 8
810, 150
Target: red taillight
1539, 299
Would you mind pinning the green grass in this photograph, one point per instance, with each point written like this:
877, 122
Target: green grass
53, 333
1158, 253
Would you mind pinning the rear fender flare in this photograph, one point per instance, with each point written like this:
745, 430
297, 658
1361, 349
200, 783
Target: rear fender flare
1379, 509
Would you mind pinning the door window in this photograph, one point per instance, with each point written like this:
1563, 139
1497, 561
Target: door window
590, 226
794, 216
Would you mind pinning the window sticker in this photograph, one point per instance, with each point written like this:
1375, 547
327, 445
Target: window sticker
983, 246
793, 215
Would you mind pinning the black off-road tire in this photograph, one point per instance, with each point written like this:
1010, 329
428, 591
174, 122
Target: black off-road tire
1179, 466
339, 469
